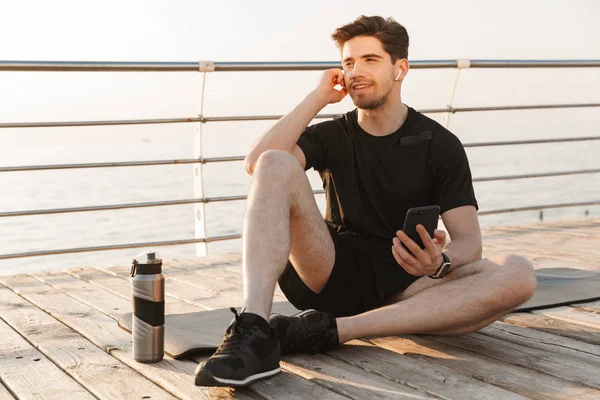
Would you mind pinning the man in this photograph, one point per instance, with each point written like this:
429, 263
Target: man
376, 162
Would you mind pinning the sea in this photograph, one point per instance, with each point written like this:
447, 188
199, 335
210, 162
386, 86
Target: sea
51, 189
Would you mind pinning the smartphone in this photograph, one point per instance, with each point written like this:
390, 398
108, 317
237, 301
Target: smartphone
427, 216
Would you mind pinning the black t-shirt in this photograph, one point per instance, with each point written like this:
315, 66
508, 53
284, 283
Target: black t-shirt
371, 181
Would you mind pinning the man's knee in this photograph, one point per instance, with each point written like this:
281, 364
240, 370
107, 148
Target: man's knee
277, 162
517, 279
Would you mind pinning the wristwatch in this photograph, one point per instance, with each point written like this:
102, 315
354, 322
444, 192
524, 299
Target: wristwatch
443, 269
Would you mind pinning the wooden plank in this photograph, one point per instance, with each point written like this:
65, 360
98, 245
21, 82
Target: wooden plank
194, 289
176, 376
531, 249
287, 385
592, 306
29, 374
184, 292
113, 305
213, 259
205, 284
418, 374
208, 283
4, 393
543, 341
517, 379
100, 300
554, 326
101, 374
572, 315
231, 273
583, 368
348, 380
122, 288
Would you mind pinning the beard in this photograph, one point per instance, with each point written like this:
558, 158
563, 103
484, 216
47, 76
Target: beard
375, 100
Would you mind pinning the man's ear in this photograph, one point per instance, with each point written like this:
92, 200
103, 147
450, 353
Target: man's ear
402, 65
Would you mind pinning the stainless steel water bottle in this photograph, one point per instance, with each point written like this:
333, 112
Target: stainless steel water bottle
148, 325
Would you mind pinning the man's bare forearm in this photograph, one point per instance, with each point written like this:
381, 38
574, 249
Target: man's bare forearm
285, 133
463, 250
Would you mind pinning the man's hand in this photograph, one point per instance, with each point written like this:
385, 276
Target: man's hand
329, 79
422, 261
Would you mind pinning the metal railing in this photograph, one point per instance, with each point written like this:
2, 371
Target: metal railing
207, 67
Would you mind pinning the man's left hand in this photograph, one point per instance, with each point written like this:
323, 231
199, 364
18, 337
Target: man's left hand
422, 261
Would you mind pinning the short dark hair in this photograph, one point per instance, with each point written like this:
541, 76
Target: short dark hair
391, 34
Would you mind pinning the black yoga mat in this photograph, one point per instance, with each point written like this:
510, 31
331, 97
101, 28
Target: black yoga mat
202, 331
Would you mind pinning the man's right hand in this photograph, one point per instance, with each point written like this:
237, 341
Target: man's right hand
329, 79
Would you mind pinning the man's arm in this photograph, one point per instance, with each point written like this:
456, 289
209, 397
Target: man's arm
462, 224
285, 133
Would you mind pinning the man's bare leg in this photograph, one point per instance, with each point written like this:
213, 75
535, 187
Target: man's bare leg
282, 220
469, 298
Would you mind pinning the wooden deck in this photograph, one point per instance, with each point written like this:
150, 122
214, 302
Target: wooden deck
59, 338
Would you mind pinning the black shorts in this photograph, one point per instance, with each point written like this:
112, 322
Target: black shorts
364, 274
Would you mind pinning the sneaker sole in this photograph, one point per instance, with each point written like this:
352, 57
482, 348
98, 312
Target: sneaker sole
205, 378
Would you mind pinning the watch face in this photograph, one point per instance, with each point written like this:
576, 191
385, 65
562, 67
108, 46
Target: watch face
443, 270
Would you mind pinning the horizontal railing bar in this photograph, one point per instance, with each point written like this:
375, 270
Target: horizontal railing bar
452, 110
531, 141
243, 197
240, 118
100, 123
117, 247
120, 206
539, 207
414, 64
262, 117
534, 63
238, 236
540, 175
121, 164
241, 158
106, 66
128, 205
209, 66
521, 107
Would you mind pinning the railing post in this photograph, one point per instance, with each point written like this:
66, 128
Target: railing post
200, 208
460, 64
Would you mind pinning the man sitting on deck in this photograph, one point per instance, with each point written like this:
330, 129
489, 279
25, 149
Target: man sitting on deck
376, 162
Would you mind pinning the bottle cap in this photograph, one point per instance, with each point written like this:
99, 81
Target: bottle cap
146, 263
148, 257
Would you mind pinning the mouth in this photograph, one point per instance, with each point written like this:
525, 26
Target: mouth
361, 86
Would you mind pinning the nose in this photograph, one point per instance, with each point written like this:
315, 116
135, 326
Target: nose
356, 71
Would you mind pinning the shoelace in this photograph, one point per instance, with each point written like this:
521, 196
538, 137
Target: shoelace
236, 334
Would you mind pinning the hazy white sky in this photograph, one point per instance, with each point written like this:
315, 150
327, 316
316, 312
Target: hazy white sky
290, 30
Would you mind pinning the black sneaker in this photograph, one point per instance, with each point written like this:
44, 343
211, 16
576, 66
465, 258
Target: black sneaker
307, 331
250, 351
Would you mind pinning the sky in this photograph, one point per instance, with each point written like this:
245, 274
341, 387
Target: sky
235, 30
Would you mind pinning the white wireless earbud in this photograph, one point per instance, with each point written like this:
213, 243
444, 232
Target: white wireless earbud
398, 76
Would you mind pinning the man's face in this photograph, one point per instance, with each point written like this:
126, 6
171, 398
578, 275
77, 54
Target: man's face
368, 72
